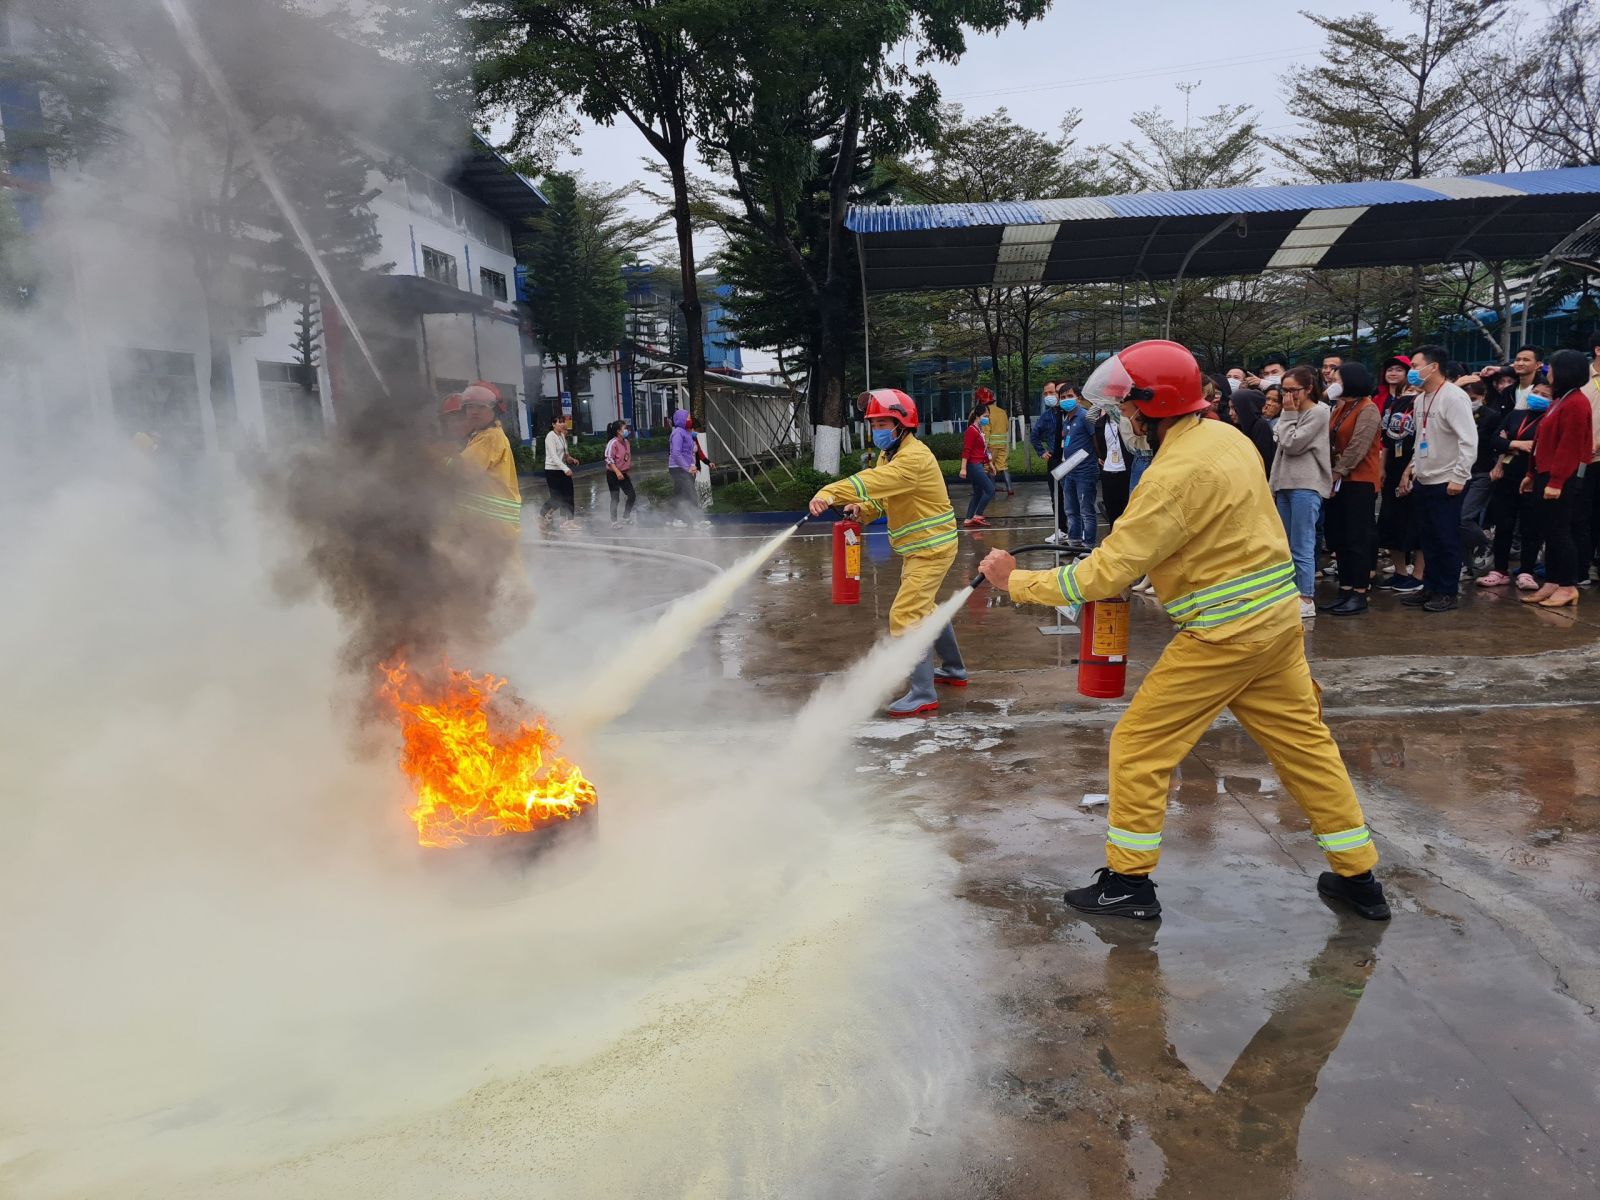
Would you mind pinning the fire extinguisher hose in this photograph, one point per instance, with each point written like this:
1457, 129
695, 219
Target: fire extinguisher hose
978, 580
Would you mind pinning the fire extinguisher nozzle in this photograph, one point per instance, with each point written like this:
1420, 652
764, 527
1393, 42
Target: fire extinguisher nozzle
977, 581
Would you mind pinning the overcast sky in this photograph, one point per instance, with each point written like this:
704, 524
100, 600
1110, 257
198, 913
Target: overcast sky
1109, 60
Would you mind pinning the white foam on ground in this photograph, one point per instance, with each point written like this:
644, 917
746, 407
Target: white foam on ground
231, 973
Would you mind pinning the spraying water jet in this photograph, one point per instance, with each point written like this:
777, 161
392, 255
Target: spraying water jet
621, 682
194, 46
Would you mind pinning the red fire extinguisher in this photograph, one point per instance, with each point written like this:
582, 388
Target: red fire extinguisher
847, 562
1103, 649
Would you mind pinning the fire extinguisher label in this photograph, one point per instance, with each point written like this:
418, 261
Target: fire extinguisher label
852, 557
1110, 629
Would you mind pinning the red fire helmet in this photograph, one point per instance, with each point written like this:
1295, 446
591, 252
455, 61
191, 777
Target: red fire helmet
451, 404
889, 404
479, 392
1162, 378
983, 396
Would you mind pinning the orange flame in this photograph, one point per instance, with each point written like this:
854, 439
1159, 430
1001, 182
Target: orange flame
477, 768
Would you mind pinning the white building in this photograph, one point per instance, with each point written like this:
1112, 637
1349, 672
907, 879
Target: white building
124, 316
450, 296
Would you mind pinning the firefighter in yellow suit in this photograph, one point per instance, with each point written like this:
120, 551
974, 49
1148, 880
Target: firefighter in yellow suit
907, 487
1202, 526
487, 484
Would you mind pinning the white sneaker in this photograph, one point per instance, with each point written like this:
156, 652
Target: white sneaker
703, 524
1308, 609
1056, 538
616, 524
678, 523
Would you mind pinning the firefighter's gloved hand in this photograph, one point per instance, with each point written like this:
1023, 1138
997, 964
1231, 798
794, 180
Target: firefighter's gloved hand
997, 567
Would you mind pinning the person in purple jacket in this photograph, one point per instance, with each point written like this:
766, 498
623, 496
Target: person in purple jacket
681, 469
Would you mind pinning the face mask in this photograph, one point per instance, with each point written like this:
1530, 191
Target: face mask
1070, 403
1414, 377
983, 420
1051, 401
1538, 403
883, 438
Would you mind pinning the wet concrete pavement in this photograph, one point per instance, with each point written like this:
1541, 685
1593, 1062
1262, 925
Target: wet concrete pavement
1254, 1043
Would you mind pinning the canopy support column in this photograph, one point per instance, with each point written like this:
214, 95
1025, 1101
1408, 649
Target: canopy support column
1177, 283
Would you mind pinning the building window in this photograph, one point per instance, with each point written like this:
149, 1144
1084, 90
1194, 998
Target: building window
494, 283
439, 266
290, 400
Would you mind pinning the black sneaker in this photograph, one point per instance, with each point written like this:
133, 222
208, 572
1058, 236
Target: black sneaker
1352, 605
1416, 598
1401, 583
1438, 604
1361, 892
1117, 896
1344, 594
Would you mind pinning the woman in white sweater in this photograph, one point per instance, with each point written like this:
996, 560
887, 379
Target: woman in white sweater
1302, 475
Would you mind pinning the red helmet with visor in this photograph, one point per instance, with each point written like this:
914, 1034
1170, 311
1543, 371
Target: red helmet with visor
889, 404
1161, 378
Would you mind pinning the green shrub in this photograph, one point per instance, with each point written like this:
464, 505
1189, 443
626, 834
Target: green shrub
655, 487
944, 445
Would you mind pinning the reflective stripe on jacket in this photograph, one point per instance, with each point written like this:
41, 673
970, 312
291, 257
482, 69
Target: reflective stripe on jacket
1201, 524
490, 489
909, 489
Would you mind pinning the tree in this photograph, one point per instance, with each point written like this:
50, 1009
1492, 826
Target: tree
662, 66
575, 250
989, 160
1383, 103
198, 153
1223, 151
823, 81
1541, 109
328, 179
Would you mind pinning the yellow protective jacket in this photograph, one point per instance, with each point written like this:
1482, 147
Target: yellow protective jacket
909, 489
998, 435
487, 480
1201, 524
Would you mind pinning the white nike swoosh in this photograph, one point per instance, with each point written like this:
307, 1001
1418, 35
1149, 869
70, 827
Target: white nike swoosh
1104, 900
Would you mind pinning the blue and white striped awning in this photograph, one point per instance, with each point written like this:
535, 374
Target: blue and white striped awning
1225, 231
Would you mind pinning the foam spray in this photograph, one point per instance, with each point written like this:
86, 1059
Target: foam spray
622, 681
849, 699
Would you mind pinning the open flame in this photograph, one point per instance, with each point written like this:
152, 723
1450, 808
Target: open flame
478, 768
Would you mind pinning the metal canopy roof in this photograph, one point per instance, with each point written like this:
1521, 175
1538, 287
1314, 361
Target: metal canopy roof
1228, 231
489, 179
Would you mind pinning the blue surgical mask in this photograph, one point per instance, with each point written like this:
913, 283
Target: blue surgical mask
1538, 403
1414, 377
883, 438
1051, 401
983, 420
1070, 403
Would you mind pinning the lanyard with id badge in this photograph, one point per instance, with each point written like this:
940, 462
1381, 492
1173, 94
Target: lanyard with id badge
1422, 422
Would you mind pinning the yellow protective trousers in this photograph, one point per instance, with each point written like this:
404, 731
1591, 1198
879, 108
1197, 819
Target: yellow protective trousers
1267, 685
920, 577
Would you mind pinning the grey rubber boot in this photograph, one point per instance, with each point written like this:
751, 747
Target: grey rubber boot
921, 698
951, 670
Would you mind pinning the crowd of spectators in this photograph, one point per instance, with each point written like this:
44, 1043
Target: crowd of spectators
1409, 480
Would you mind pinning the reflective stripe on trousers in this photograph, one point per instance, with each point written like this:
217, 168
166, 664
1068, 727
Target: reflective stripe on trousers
1267, 685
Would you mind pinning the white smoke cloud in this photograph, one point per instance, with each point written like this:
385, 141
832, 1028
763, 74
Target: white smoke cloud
229, 969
